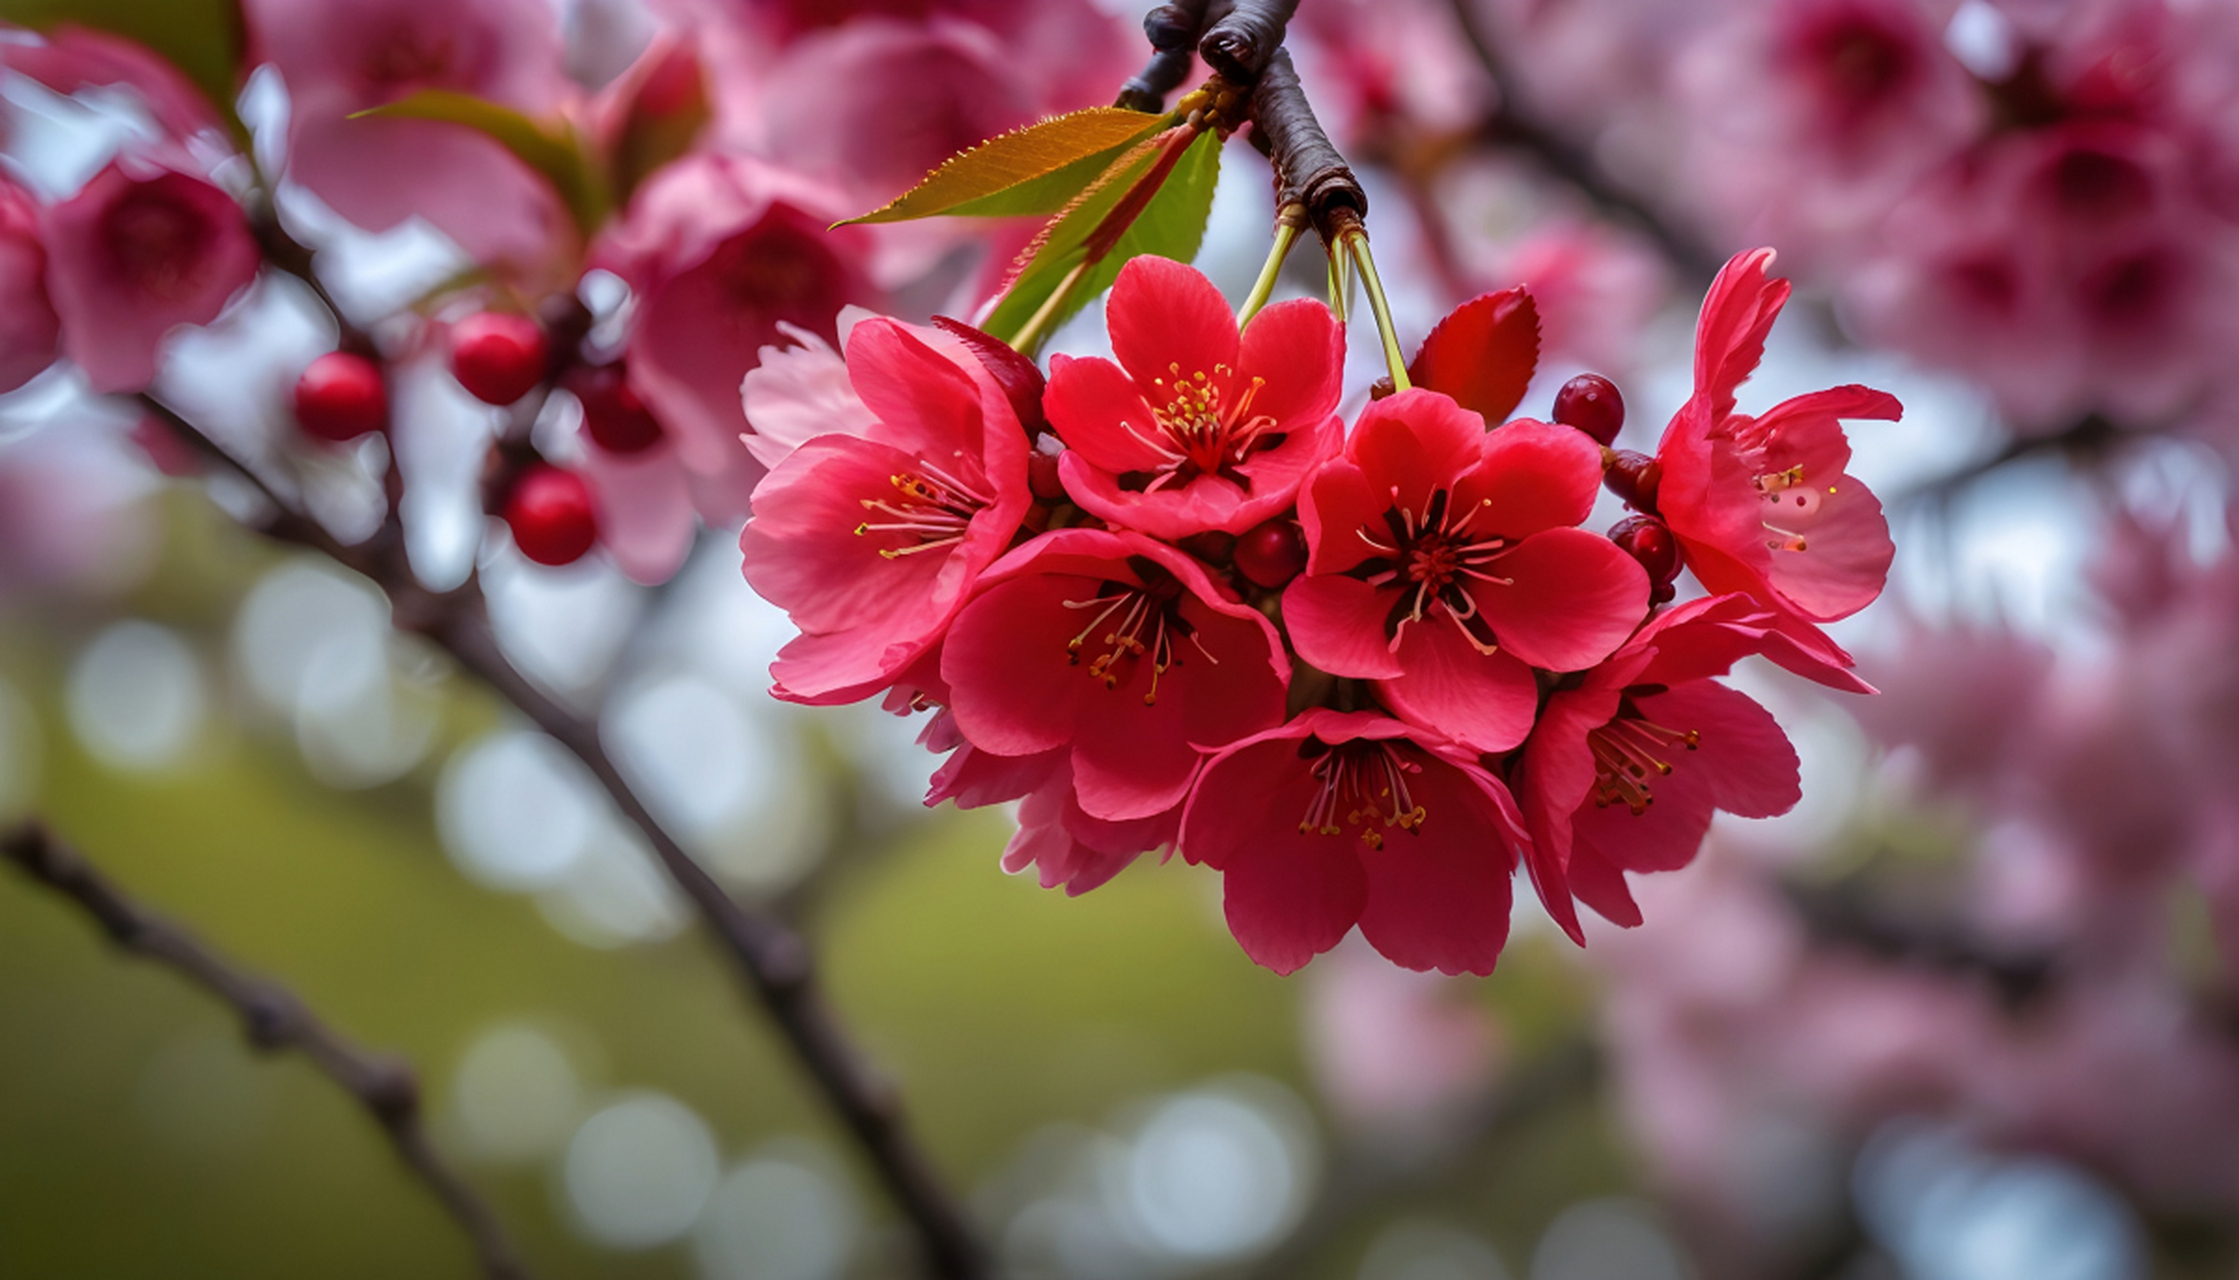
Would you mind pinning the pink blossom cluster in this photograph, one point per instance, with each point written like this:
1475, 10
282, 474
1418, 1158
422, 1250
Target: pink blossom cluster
2038, 195
710, 132
1365, 672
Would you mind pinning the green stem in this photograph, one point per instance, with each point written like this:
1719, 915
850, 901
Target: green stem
1287, 224
1338, 286
1030, 334
1357, 243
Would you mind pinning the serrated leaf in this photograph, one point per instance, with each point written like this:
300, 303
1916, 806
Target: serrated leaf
1483, 354
1036, 169
1170, 224
552, 150
204, 39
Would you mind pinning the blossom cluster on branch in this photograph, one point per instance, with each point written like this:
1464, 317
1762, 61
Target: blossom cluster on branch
1364, 671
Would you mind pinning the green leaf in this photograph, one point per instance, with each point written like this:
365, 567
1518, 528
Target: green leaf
202, 38
1036, 169
1170, 225
553, 150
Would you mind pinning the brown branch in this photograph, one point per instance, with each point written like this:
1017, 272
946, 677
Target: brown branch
772, 958
1308, 170
1516, 125
1244, 41
1172, 30
274, 1020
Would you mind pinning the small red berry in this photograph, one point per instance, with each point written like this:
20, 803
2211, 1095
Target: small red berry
341, 397
551, 516
1634, 477
1590, 403
497, 356
1270, 555
1645, 539
618, 421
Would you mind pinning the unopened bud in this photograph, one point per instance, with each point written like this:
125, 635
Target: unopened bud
1646, 539
1632, 476
1270, 555
1590, 403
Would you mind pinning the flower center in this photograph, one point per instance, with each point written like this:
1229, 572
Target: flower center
1627, 751
1790, 501
1198, 433
930, 509
1140, 627
156, 243
1432, 559
1364, 781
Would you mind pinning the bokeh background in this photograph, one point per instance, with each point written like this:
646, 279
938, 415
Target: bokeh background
1964, 1015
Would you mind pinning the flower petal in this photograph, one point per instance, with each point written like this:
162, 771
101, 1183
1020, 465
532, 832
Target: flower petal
1337, 624
1570, 599
1485, 701
1167, 321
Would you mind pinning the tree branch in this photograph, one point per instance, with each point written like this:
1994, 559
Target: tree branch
772, 958
274, 1020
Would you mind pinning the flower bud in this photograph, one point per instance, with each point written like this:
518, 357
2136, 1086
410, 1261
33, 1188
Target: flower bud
616, 419
1590, 403
1645, 539
1041, 469
1270, 555
341, 397
1632, 476
497, 356
551, 516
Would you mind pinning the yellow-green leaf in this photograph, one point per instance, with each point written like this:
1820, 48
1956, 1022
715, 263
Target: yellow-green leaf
1036, 169
1171, 224
553, 150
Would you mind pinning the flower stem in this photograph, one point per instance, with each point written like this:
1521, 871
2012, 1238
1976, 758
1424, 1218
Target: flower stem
1340, 286
1287, 224
1030, 334
1356, 241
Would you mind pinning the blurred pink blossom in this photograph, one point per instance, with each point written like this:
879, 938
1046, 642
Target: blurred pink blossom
139, 251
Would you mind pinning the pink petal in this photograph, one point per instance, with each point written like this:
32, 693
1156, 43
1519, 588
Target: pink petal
1570, 600
1485, 701
1846, 557
1438, 898
1168, 321
1737, 313
134, 255
1098, 411
645, 511
1337, 624
1745, 759
1533, 476
1299, 349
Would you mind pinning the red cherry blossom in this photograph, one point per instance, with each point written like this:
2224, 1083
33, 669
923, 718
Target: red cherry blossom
1764, 504
1197, 427
1120, 648
1064, 843
30, 333
1442, 565
1624, 768
136, 253
1344, 818
872, 539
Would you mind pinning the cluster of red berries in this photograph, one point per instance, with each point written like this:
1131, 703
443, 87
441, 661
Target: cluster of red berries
499, 358
1590, 403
